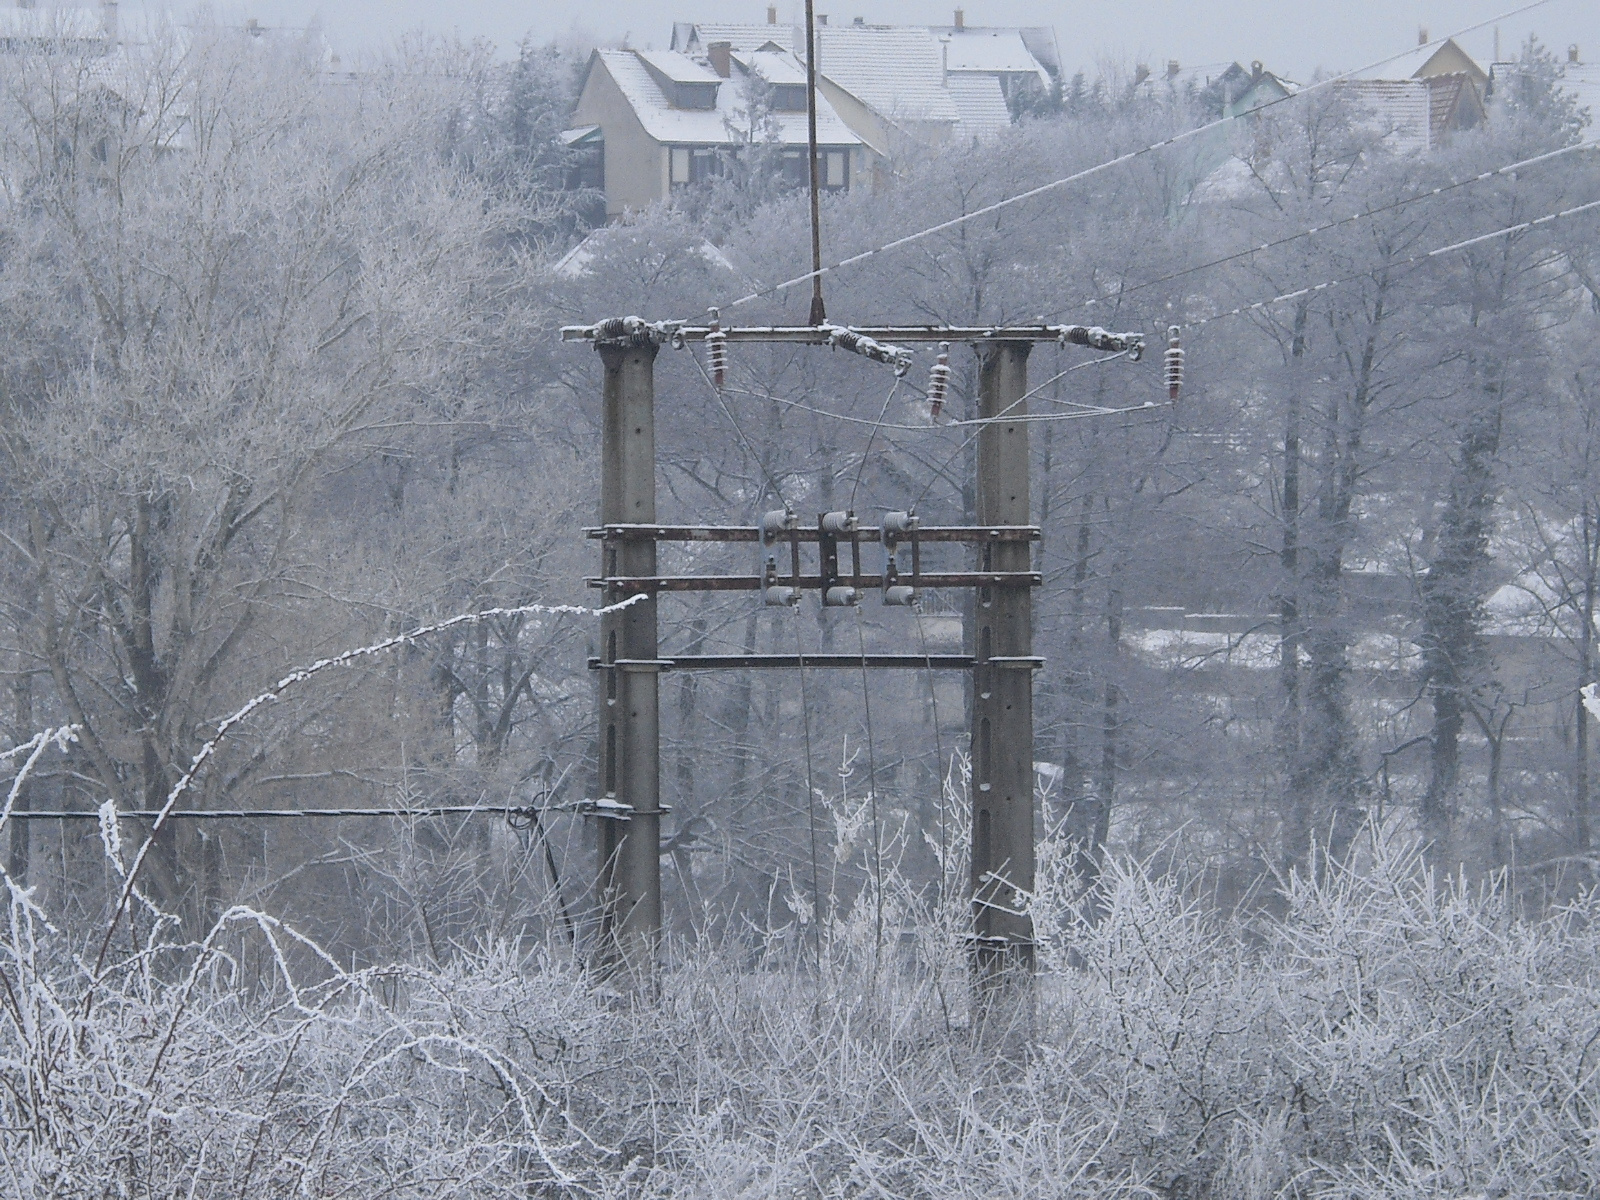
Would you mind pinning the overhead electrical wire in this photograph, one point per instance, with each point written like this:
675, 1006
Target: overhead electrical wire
1413, 260
1098, 168
1289, 239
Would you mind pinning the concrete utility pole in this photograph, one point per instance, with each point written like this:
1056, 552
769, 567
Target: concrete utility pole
1002, 674
630, 728
1001, 664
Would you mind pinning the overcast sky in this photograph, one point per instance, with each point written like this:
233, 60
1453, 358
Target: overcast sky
1291, 37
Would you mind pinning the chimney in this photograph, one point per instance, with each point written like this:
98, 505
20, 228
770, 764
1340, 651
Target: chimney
108, 20
1140, 74
961, 19
1256, 71
822, 19
1422, 35
1172, 68
1572, 53
859, 22
772, 14
720, 55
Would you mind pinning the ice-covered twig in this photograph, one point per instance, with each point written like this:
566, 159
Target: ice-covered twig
34, 746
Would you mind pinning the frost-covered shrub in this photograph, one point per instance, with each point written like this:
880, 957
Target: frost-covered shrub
1386, 1034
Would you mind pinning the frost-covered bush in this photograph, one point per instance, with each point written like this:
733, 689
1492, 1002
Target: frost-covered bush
1386, 1033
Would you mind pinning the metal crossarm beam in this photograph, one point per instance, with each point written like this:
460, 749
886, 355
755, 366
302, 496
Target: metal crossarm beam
743, 662
752, 533
627, 585
1091, 336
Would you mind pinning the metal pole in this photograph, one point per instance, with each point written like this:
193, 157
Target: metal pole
630, 734
1002, 692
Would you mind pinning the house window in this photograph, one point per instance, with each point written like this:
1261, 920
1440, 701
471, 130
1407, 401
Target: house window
838, 174
681, 164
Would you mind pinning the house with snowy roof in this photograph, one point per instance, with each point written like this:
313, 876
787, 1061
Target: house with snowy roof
1024, 60
1579, 79
901, 88
651, 121
1415, 102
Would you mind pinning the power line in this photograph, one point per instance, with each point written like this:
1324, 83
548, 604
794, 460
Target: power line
1465, 243
1287, 239
1087, 172
1088, 410
512, 811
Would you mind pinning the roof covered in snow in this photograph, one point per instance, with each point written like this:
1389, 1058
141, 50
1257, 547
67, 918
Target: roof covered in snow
1398, 110
1581, 80
723, 125
992, 51
899, 72
1423, 61
692, 37
1038, 40
981, 103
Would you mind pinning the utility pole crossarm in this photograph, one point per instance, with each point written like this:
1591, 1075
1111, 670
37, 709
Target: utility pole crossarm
679, 333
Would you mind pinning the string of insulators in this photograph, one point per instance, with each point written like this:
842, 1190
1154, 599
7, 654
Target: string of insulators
939, 381
1174, 364
717, 351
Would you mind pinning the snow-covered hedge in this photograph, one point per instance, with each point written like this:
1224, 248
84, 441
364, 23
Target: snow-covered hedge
1382, 1034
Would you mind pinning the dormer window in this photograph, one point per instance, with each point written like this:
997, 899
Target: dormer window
683, 82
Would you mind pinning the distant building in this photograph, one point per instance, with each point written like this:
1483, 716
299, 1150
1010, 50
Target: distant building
1024, 61
1417, 101
1580, 79
650, 121
904, 88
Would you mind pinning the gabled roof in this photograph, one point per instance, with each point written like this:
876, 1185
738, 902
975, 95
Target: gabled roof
1455, 104
692, 37
1447, 58
1580, 80
772, 65
1583, 81
1038, 40
679, 68
1398, 110
981, 103
991, 51
899, 72
720, 126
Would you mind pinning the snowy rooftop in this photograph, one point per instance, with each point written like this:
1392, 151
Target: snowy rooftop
897, 71
772, 66
695, 36
1582, 80
719, 126
679, 68
981, 103
1400, 110
995, 51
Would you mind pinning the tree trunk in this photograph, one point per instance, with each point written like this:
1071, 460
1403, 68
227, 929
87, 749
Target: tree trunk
1452, 614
